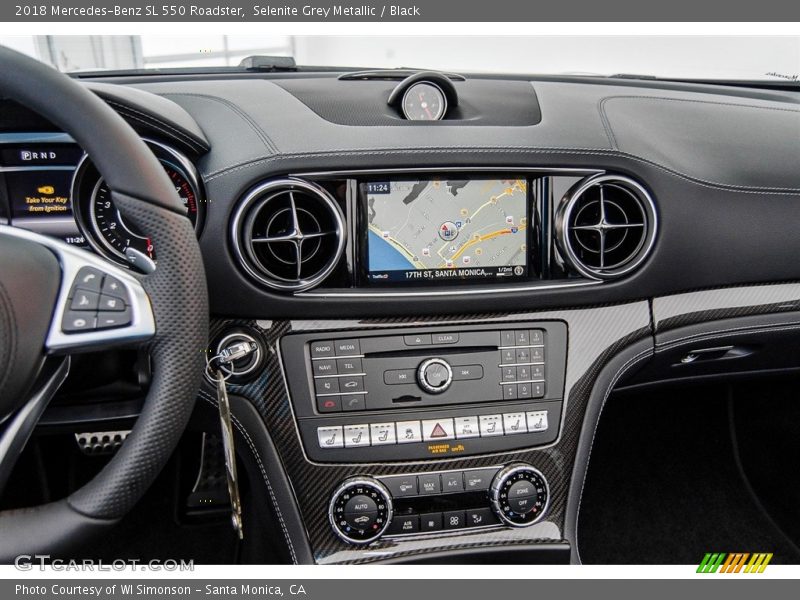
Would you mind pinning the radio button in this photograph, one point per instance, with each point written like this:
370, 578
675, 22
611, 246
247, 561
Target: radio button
467, 372
437, 429
324, 367
346, 366
467, 427
356, 436
452, 482
351, 384
445, 338
327, 386
430, 484
408, 432
354, 402
330, 437
329, 404
382, 434
399, 376
423, 339
347, 347
514, 423
402, 485
321, 349
510, 391
537, 421
491, 425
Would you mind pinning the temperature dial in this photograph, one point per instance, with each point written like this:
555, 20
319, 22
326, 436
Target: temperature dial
435, 375
520, 495
360, 510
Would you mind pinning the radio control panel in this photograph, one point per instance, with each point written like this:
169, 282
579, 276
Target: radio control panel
427, 392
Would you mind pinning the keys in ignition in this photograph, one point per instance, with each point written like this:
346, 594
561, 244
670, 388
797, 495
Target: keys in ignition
230, 453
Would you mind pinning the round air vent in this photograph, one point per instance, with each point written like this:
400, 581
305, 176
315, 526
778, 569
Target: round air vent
605, 226
289, 234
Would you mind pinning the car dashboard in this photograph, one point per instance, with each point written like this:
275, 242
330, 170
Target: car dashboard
439, 299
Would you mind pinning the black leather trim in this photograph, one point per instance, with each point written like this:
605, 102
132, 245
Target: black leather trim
59, 529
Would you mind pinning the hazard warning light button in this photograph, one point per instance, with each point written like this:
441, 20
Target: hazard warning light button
437, 430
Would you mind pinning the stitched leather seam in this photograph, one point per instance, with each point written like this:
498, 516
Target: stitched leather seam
208, 398
259, 131
509, 150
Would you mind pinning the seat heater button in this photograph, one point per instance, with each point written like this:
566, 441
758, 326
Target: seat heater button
537, 421
330, 437
356, 436
491, 425
514, 423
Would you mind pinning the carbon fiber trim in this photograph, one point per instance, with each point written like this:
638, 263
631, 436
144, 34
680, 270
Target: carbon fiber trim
594, 336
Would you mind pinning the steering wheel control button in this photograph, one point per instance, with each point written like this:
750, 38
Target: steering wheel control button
437, 430
108, 320
113, 286
88, 278
75, 321
360, 510
111, 303
330, 437
84, 300
434, 375
519, 495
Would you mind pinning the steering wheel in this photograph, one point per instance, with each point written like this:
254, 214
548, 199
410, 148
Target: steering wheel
57, 300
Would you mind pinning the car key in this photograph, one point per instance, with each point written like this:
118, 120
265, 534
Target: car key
230, 454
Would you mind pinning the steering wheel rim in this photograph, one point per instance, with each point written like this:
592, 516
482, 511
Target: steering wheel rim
178, 298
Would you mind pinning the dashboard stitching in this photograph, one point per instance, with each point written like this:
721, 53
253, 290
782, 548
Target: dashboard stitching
606, 124
265, 139
628, 364
205, 396
775, 191
690, 101
155, 122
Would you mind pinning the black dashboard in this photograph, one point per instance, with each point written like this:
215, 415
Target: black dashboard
440, 308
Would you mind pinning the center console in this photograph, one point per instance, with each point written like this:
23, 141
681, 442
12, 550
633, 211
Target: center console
429, 393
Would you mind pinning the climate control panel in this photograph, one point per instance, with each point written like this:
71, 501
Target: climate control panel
363, 509
427, 392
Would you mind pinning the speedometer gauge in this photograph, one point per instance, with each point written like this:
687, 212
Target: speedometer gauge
119, 235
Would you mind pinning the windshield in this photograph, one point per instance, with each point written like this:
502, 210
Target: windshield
768, 58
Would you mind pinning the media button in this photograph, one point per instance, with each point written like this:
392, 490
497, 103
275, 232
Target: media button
423, 339
399, 376
437, 429
467, 427
491, 425
445, 338
408, 432
467, 372
347, 347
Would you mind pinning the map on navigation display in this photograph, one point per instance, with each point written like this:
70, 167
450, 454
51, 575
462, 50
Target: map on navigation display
440, 229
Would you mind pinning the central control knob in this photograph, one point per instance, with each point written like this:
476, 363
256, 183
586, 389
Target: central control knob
360, 510
435, 375
520, 495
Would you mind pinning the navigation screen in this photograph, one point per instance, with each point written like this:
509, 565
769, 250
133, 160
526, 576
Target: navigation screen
430, 230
